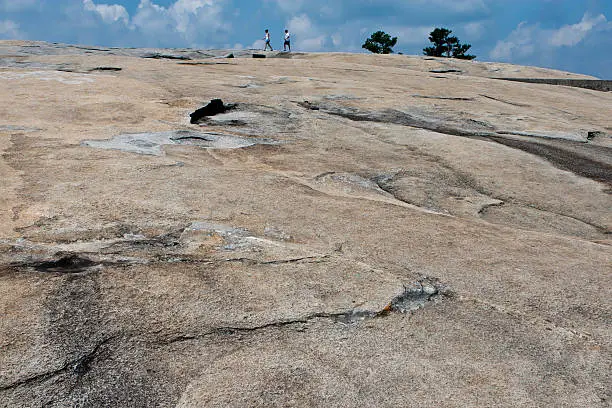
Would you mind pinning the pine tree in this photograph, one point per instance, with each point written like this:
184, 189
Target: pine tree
380, 43
445, 45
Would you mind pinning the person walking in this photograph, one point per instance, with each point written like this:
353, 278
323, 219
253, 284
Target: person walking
287, 41
267, 39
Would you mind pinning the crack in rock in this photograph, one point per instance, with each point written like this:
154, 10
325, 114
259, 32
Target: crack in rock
414, 297
486, 207
445, 71
305, 259
444, 98
105, 69
78, 367
522, 105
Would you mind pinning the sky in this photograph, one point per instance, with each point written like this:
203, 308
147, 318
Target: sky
571, 35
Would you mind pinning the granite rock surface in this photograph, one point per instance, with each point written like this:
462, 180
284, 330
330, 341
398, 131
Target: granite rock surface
356, 231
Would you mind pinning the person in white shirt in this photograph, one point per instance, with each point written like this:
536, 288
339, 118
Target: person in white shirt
267, 39
287, 41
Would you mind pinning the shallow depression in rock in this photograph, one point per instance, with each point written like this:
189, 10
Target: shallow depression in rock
152, 143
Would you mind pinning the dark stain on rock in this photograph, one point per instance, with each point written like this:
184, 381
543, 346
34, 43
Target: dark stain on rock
563, 159
166, 56
71, 263
593, 84
63, 263
585, 164
409, 119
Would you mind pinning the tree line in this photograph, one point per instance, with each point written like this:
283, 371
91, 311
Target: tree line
443, 44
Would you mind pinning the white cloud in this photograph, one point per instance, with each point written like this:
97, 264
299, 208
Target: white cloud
110, 13
411, 35
328, 8
290, 6
337, 39
17, 5
474, 30
520, 43
186, 19
571, 35
312, 44
193, 23
300, 25
305, 35
9, 29
527, 40
258, 45
456, 6
203, 11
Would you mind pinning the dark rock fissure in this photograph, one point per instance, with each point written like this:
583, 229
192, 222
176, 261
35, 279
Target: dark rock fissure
413, 298
522, 105
444, 98
112, 69
215, 107
193, 137
68, 263
77, 367
308, 105
486, 207
82, 365
198, 63
306, 259
594, 134
445, 71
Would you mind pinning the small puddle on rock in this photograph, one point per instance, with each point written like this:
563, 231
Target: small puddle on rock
152, 143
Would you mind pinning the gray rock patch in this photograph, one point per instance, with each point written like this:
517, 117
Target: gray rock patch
14, 128
152, 143
66, 78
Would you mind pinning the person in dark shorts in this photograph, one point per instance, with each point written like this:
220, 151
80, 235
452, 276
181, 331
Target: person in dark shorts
267, 39
287, 41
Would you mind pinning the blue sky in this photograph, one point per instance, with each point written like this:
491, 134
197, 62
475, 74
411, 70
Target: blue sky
573, 35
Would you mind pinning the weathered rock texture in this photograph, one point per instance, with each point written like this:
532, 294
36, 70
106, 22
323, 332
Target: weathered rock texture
406, 238
597, 85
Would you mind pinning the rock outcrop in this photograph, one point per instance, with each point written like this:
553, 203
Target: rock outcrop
418, 233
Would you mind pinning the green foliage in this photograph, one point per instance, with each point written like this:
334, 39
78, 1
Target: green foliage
445, 45
380, 43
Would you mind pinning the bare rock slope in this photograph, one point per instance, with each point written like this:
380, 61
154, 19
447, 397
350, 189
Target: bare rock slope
353, 230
